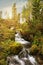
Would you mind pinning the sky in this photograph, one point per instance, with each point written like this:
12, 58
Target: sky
5, 5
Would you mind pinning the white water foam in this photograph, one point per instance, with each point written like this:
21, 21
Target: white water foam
19, 39
32, 60
19, 60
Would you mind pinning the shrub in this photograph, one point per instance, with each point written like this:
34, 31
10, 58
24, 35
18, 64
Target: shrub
34, 49
15, 48
37, 49
3, 62
8, 48
41, 49
11, 47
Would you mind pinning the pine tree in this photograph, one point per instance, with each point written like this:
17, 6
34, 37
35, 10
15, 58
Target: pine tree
14, 12
26, 12
36, 9
0, 14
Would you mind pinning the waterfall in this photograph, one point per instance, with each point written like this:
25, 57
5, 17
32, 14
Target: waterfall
23, 58
32, 60
19, 60
20, 40
16, 60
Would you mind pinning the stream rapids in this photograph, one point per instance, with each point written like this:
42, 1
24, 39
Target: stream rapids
23, 58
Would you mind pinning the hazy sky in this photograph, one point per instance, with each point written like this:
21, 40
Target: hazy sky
5, 5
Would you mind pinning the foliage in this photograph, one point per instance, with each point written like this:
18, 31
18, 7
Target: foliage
35, 8
15, 17
8, 48
5, 32
34, 49
37, 46
34, 32
3, 62
15, 48
27, 10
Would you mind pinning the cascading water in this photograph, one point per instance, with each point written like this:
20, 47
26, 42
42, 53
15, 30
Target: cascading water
32, 60
19, 39
23, 58
19, 60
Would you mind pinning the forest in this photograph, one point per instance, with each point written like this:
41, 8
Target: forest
31, 30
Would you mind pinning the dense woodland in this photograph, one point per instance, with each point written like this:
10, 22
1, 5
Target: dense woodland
31, 30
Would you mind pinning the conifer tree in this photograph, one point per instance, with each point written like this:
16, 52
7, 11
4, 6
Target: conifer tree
36, 9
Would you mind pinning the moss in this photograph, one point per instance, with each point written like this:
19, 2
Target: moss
3, 62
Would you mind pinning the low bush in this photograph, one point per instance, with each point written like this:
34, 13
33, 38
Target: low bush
3, 62
9, 48
15, 48
34, 49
